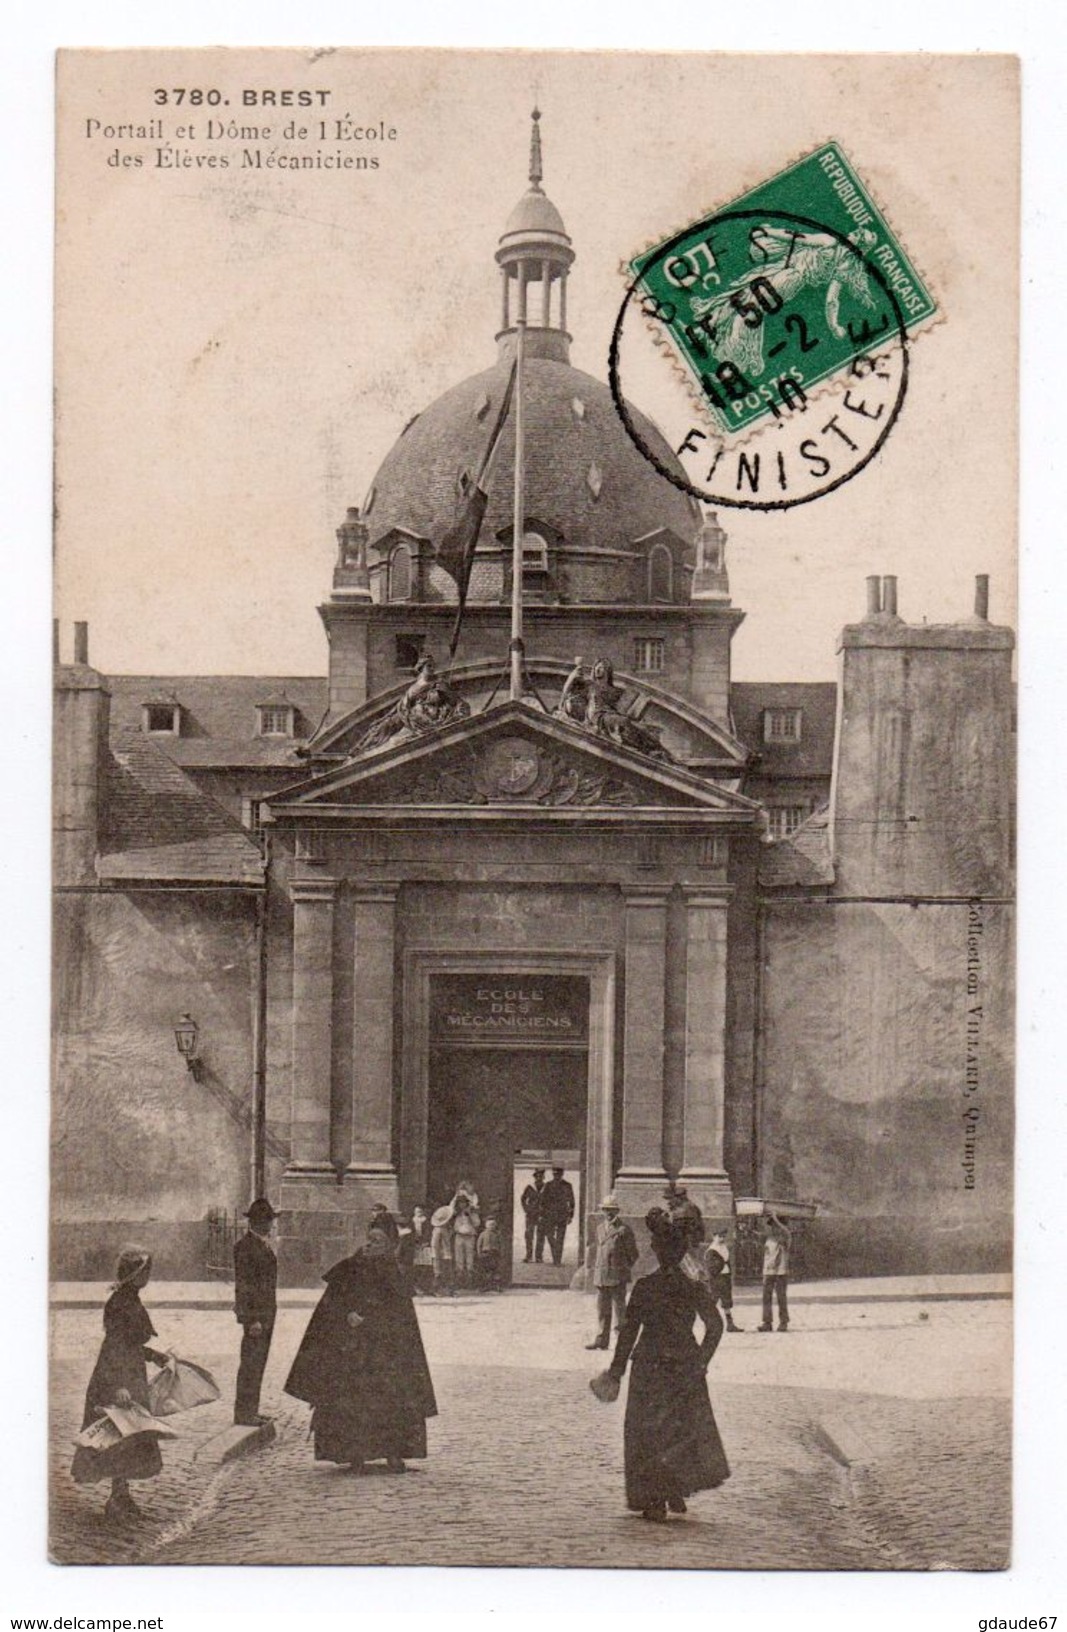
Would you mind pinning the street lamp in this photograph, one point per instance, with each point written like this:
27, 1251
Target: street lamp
186, 1033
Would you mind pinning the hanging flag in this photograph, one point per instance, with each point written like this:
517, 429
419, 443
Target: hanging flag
456, 550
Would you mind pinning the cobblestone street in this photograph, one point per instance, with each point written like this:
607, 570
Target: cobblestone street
874, 1435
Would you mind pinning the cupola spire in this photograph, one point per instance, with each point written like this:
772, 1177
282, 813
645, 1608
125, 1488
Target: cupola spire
534, 255
536, 171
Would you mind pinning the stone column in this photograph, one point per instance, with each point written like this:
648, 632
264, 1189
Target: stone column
705, 1050
312, 1024
641, 1174
371, 1164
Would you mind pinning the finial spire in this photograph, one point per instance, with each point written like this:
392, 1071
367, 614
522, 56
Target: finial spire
535, 150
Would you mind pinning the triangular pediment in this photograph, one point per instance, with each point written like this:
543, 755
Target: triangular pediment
513, 755
692, 736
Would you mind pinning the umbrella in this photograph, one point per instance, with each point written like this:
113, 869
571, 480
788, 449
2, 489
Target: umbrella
179, 1386
120, 1422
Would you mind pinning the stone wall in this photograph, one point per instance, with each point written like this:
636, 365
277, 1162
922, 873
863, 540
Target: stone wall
139, 1149
873, 1068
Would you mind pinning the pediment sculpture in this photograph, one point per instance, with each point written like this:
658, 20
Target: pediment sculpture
429, 702
591, 699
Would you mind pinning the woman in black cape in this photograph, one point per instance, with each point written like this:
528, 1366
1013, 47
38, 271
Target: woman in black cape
120, 1377
362, 1367
671, 1444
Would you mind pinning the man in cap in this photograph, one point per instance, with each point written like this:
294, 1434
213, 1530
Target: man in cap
255, 1274
616, 1255
531, 1212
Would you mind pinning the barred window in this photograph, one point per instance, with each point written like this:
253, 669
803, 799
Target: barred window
275, 720
649, 654
785, 819
782, 724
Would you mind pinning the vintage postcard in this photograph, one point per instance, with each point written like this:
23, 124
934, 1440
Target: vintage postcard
534, 816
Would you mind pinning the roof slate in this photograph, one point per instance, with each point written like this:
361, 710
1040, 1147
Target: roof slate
813, 755
219, 720
159, 824
802, 860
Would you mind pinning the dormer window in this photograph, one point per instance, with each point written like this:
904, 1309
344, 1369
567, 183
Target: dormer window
275, 719
400, 574
782, 724
660, 573
162, 719
534, 553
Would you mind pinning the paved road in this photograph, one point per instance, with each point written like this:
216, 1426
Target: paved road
871, 1436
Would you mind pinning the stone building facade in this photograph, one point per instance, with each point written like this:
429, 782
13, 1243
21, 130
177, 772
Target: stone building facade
670, 925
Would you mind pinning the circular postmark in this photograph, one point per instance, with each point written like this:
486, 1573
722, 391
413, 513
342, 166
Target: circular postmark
772, 352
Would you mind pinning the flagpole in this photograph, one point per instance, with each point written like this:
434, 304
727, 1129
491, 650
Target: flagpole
518, 528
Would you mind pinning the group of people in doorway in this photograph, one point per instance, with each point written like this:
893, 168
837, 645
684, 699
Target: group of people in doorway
362, 1368
461, 1250
548, 1209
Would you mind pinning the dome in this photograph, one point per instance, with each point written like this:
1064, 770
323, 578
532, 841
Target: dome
584, 479
535, 213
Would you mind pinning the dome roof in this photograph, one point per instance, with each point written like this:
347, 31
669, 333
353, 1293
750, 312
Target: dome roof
535, 212
584, 476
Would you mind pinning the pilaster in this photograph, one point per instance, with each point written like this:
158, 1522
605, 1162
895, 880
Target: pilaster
705, 1050
641, 1174
371, 1162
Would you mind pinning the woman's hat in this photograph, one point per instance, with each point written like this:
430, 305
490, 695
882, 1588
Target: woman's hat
131, 1262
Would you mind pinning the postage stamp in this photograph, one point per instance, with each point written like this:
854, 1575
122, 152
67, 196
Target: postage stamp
797, 290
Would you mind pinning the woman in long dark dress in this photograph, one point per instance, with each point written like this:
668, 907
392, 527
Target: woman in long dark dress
120, 1377
671, 1444
362, 1367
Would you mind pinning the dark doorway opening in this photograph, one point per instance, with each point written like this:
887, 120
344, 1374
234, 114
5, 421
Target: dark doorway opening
489, 1102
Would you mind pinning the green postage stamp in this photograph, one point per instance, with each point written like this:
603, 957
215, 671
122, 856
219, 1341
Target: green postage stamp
787, 286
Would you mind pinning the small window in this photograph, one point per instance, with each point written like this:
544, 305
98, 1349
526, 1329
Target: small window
660, 574
649, 654
162, 719
785, 819
782, 724
251, 816
409, 649
534, 553
400, 574
275, 720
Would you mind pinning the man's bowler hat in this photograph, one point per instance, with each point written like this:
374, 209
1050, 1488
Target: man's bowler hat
261, 1212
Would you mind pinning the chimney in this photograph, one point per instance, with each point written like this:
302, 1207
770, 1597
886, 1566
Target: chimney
79, 764
889, 597
981, 596
874, 595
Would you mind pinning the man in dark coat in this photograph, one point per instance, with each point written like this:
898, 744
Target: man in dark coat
531, 1210
362, 1366
557, 1210
255, 1275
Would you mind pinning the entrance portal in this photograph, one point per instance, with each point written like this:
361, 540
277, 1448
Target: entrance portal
488, 1103
508, 1072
